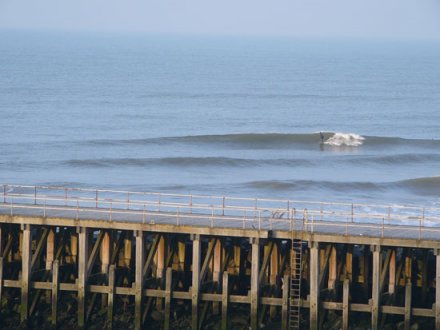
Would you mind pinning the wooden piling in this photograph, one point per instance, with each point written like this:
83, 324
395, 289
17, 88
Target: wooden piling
345, 303
83, 241
255, 288
375, 295
140, 248
225, 297
111, 296
407, 320
285, 304
55, 288
195, 280
314, 284
168, 286
437, 288
26, 252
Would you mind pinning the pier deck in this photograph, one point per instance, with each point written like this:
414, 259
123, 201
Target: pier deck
150, 243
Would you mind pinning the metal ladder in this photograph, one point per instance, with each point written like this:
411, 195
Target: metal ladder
295, 284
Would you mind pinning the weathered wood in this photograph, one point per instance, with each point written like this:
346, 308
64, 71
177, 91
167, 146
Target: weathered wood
55, 288
83, 242
345, 304
437, 289
375, 296
225, 295
95, 252
332, 273
36, 255
285, 305
1, 277
273, 275
217, 271
140, 248
151, 255
255, 287
314, 285
111, 295
50, 249
26, 255
385, 270
407, 319
195, 280
392, 273
208, 257
168, 294
323, 263
266, 258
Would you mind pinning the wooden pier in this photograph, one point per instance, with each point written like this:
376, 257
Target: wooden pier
87, 258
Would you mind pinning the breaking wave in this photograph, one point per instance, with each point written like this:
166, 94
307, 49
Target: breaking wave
345, 139
272, 140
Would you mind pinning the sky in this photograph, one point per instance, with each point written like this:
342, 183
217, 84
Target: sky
401, 19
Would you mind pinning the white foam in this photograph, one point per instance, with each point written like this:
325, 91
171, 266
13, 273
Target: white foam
345, 139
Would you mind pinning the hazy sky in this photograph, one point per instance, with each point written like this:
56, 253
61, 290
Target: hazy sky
317, 18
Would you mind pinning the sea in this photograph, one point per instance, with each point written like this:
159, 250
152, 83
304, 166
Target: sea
283, 118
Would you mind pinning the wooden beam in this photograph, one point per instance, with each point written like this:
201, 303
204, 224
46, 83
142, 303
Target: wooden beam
95, 251
314, 285
139, 280
39, 248
407, 319
151, 255
437, 288
26, 255
208, 257
55, 288
385, 269
345, 304
265, 264
392, 273
225, 296
50, 249
324, 264
83, 240
375, 295
255, 287
285, 306
168, 294
332, 273
195, 280
111, 295
1, 278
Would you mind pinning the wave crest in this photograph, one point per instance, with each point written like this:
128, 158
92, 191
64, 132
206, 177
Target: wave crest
345, 139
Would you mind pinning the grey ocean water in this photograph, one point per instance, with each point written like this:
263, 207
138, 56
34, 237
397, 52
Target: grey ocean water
223, 116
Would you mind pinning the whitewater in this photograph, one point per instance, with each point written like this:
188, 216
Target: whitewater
222, 116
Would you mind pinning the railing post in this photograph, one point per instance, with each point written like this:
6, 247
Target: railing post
4, 193
352, 212
35, 195
212, 217
259, 220
190, 204
223, 206
128, 200
96, 198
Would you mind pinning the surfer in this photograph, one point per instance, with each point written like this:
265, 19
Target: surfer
322, 137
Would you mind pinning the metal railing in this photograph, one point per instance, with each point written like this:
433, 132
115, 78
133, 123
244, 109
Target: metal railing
249, 213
